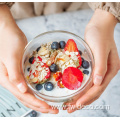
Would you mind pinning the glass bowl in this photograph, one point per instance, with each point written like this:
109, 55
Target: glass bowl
59, 36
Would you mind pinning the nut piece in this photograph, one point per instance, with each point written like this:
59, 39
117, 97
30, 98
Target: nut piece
43, 51
62, 59
51, 59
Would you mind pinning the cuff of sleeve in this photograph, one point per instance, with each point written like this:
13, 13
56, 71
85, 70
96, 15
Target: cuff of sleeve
9, 4
112, 7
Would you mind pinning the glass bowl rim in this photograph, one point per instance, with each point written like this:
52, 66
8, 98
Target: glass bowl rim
92, 59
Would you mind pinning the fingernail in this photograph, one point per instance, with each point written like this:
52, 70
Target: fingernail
21, 87
98, 80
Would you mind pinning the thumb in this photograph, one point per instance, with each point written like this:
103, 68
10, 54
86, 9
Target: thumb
15, 74
100, 68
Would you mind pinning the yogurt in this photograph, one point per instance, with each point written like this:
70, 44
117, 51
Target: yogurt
37, 69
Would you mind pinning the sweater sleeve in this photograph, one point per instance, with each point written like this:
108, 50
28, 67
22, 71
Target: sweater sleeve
9, 4
112, 7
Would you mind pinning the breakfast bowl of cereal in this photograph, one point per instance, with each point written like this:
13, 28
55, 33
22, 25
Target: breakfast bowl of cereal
58, 66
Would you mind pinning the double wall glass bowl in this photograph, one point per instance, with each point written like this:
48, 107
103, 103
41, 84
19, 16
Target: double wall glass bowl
59, 36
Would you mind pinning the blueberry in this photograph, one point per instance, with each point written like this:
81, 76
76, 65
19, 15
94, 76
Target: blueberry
62, 44
82, 59
55, 45
33, 114
38, 49
85, 64
31, 59
80, 52
38, 87
86, 72
53, 68
28, 69
48, 86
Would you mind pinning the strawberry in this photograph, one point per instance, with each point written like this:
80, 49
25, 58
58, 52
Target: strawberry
60, 85
57, 76
72, 47
72, 78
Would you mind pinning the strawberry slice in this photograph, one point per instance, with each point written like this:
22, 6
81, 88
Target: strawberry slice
72, 47
72, 78
57, 76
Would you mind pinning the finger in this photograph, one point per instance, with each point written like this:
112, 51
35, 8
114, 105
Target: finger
93, 93
100, 54
69, 110
80, 106
34, 108
71, 107
55, 111
15, 74
100, 68
27, 97
86, 101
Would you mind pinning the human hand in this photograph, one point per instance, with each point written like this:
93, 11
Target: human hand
12, 43
99, 35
